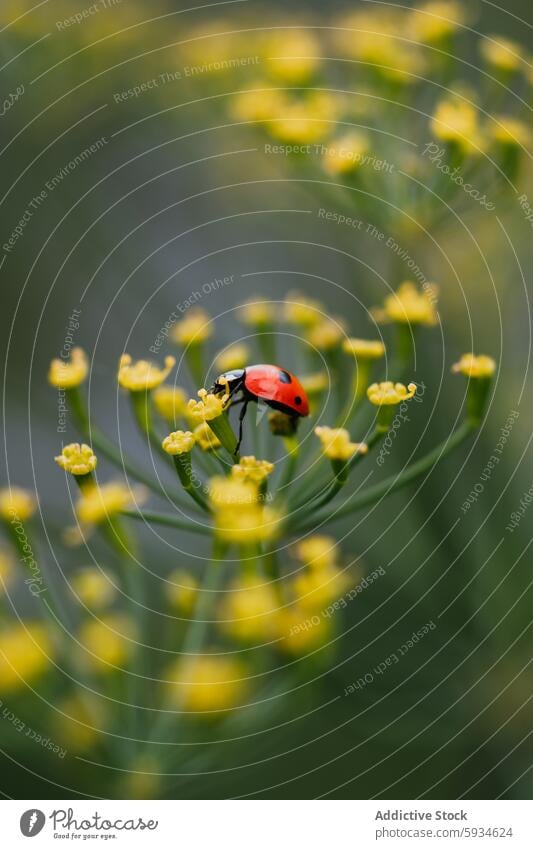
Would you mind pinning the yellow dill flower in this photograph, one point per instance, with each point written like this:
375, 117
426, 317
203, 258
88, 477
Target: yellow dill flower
209, 407
249, 524
170, 402
17, 503
345, 154
78, 721
231, 492
142, 375
436, 20
327, 334
298, 309
179, 442
473, 366
305, 121
234, 356
455, 120
316, 588
194, 329
281, 424
205, 438
294, 56
98, 503
25, 651
315, 383
318, 551
6, 570
259, 104
250, 469
257, 313
336, 443
408, 305
66, 374
246, 610
501, 53
93, 588
181, 591
107, 642
510, 131
298, 633
364, 349
77, 459
201, 684
388, 393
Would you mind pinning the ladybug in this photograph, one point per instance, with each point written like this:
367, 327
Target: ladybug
277, 387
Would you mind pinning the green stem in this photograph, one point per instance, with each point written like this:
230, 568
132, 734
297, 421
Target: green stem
223, 431
169, 521
293, 454
395, 482
182, 462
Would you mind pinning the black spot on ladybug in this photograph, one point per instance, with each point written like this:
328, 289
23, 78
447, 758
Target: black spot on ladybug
284, 377
298, 400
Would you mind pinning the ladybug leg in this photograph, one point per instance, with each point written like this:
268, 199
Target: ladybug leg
242, 414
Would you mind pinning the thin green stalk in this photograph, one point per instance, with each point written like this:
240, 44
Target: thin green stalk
168, 521
291, 463
182, 463
394, 482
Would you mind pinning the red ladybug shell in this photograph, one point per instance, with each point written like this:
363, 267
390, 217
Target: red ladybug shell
277, 387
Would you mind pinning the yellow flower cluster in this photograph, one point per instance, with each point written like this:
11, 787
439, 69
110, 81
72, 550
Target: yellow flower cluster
457, 120
364, 349
257, 313
473, 366
292, 57
408, 305
248, 610
142, 375
209, 407
25, 651
501, 53
208, 683
194, 329
235, 356
205, 438
181, 590
107, 642
65, 374
93, 588
388, 393
99, 503
170, 402
327, 334
336, 443
179, 442
299, 309
250, 469
16, 502
77, 459
240, 517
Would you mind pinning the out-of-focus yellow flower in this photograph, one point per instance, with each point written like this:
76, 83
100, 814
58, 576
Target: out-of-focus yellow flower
247, 609
408, 305
345, 154
305, 121
259, 104
143, 780
510, 131
6, 570
107, 642
388, 393
316, 588
17, 503
181, 590
67, 374
93, 588
203, 684
257, 313
473, 366
77, 459
179, 442
315, 383
436, 20
336, 443
142, 375
98, 503
501, 53
235, 356
318, 551
298, 309
250, 469
457, 121
281, 424
194, 329
364, 349
250, 524
205, 438
25, 651
327, 334
298, 633
231, 492
170, 402
79, 721
292, 56
209, 407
